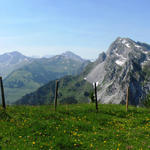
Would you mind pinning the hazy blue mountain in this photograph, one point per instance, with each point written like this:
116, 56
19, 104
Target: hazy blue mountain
69, 54
11, 61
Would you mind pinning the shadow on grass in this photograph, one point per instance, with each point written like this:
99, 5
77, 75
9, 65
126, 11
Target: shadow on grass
4, 116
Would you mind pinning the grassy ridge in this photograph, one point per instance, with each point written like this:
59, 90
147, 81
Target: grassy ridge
74, 127
72, 89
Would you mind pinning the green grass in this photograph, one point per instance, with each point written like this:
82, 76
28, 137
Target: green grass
12, 94
74, 127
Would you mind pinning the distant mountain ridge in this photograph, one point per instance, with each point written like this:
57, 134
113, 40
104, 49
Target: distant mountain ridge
11, 58
28, 78
126, 63
70, 55
11, 61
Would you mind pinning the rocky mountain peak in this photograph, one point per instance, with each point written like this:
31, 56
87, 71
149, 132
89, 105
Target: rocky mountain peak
121, 46
122, 49
102, 56
123, 65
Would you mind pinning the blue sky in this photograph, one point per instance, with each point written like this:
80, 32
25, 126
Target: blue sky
86, 27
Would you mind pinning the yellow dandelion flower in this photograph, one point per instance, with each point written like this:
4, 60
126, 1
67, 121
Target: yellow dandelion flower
33, 142
74, 133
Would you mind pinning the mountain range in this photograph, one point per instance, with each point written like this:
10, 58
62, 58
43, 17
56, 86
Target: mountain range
28, 74
12, 61
125, 64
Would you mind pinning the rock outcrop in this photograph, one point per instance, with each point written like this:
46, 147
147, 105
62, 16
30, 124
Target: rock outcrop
124, 64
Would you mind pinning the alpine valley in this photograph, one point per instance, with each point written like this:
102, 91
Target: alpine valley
28, 74
126, 63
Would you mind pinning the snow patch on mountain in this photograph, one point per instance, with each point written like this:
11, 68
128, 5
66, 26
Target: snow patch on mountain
137, 46
120, 56
145, 52
124, 41
120, 62
127, 45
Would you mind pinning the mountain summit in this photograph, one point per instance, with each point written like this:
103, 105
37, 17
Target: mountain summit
71, 55
11, 61
124, 65
12, 58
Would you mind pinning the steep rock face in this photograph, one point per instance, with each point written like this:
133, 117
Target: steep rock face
123, 66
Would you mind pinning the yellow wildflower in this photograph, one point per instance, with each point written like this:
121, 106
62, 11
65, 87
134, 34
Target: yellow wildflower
33, 142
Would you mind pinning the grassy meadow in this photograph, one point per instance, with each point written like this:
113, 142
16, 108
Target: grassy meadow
74, 127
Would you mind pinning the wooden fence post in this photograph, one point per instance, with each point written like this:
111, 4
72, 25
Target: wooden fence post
56, 94
2, 93
127, 99
96, 98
